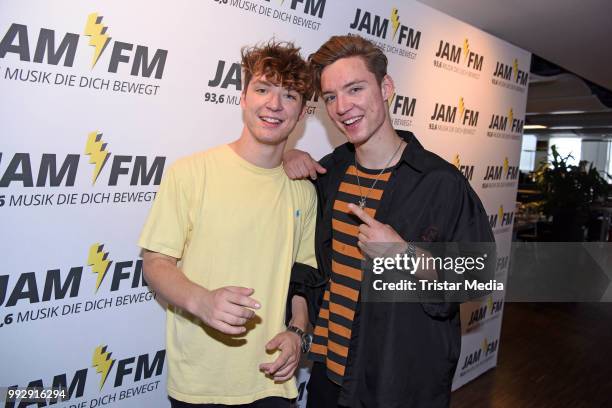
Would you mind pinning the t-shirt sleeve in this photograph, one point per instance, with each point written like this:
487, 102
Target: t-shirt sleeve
168, 223
305, 277
306, 250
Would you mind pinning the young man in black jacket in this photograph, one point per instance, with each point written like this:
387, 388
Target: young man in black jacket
380, 187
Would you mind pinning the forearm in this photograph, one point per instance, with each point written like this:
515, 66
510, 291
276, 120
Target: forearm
170, 283
299, 312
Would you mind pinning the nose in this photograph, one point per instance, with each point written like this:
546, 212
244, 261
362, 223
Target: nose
275, 102
343, 105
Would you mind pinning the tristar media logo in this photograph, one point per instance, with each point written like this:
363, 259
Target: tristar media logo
122, 377
486, 351
402, 109
501, 221
26, 170
502, 175
488, 310
461, 59
394, 37
454, 118
510, 76
60, 292
505, 126
466, 169
304, 13
52, 47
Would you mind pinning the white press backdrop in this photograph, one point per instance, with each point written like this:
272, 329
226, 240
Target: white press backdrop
120, 90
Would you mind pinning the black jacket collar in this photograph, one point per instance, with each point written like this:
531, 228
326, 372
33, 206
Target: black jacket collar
414, 154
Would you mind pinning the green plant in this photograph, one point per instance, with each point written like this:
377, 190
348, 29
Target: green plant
568, 187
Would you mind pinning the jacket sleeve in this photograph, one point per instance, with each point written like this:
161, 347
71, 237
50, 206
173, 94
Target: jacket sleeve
466, 222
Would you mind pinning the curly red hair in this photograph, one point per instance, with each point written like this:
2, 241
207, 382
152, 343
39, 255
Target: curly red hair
282, 65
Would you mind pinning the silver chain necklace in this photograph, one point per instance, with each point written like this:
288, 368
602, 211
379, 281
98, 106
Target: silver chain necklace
362, 198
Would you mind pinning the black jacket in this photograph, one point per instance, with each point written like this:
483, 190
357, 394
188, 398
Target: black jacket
407, 352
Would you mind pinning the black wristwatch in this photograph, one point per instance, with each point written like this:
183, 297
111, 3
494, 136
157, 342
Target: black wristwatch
306, 339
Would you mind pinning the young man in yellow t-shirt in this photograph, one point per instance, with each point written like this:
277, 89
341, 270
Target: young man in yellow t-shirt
224, 233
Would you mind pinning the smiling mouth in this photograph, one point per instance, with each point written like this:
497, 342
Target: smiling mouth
270, 120
352, 121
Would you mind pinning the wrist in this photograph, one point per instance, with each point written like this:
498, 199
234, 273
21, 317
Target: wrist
197, 300
305, 338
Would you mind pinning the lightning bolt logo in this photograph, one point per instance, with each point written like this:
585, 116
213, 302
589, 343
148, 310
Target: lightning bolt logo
515, 69
510, 116
485, 345
500, 213
457, 161
395, 21
97, 33
390, 100
506, 165
461, 107
96, 149
99, 262
466, 48
490, 304
102, 362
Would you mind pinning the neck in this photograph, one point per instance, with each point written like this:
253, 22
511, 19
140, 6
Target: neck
377, 151
263, 155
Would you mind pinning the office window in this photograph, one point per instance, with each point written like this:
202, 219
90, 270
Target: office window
528, 153
566, 146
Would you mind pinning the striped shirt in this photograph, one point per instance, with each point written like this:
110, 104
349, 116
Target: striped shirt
333, 330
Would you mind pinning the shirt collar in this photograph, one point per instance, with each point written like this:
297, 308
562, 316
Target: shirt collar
414, 154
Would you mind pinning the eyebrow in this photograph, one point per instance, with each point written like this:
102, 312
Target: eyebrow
263, 82
348, 85
270, 84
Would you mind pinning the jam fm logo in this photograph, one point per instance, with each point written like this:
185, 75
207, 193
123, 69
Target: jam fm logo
460, 54
56, 284
304, 9
510, 76
53, 48
486, 350
28, 170
399, 39
505, 126
487, 311
508, 123
454, 118
503, 262
402, 109
459, 58
502, 175
108, 373
501, 220
314, 8
466, 169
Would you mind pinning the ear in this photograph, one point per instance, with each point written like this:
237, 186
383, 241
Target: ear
387, 87
304, 109
242, 99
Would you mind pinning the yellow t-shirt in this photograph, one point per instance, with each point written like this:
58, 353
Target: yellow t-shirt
232, 224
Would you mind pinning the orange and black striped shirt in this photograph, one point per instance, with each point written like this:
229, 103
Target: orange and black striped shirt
333, 330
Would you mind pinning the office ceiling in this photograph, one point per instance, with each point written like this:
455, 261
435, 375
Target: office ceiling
576, 35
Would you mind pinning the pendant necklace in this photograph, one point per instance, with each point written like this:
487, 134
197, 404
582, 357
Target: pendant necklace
363, 198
